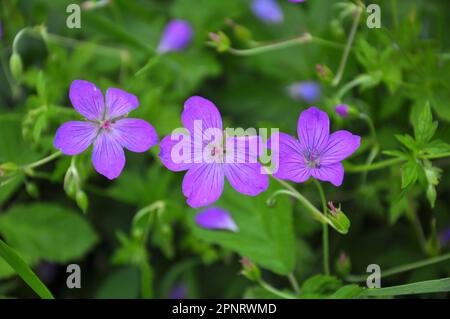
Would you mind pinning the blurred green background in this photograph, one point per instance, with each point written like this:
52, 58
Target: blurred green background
406, 62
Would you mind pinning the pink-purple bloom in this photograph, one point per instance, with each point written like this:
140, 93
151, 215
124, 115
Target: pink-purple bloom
316, 153
308, 91
208, 162
105, 126
342, 110
176, 36
216, 218
267, 10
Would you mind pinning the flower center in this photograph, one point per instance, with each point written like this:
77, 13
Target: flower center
105, 125
312, 160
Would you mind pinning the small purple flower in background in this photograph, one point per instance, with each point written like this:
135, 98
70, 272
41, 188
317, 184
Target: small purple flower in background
316, 153
308, 91
176, 36
445, 237
268, 10
342, 110
105, 127
204, 181
216, 218
296, 0
179, 291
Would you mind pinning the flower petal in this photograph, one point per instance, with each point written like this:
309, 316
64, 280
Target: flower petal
119, 103
288, 158
108, 156
341, 144
74, 137
241, 166
203, 184
247, 178
197, 108
135, 135
313, 129
172, 150
215, 218
333, 173
87, 99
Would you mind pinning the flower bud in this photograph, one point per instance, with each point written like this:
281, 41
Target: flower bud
82, 200
250, 270
344, 110
15, 64
268, 11
176, 36
220, 41
343, 264
324, 73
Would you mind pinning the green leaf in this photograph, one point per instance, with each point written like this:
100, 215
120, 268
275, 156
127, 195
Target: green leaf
410, 173
47, 231
122, 283
320, 286
424, 126
347, 292
21, 268
408, 141
423, 287
265, 235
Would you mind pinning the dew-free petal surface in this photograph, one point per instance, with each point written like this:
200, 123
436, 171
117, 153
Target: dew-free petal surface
119, 103
333, 173
87, 99
135, 135
74, 137
313, 129
341, 144
203, 184
108, 156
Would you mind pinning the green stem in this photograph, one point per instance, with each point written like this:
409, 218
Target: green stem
348, 47
349, 168
43, 161
275, 291
305, 38
294, 283
350, 85
403, 268
325, 235
414, 219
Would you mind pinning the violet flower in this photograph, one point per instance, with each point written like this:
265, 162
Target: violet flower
308, 91
267, 10
176, 36
316, 153
342, 110
209, 161
105, 127
216, 218
179, 291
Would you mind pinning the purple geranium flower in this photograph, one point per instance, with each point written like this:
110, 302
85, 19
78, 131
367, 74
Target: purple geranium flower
216, 218
176, 36
208, 161
105, 127
316, 153
268, 11
308, 91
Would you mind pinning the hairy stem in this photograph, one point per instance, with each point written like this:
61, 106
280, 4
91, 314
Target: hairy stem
275, 291
303, 39
325, 239
43, 161
348, 47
